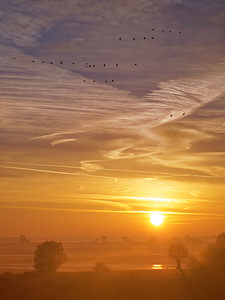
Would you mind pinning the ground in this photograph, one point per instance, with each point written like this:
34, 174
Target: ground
159, 284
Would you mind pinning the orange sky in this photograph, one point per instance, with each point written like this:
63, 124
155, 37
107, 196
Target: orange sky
84, 159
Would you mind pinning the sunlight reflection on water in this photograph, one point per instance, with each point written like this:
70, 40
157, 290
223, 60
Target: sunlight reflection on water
157, 267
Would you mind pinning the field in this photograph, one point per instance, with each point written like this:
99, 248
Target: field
138, 285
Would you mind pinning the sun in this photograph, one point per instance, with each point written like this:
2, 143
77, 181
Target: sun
156, 218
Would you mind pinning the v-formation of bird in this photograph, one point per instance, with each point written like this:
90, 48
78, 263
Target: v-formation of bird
86, 65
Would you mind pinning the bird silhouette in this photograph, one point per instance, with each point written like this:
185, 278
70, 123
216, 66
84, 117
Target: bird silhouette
117, 65
171, 116
42, 62
61, 62
144, 38
104, 65
120, 38
134, 39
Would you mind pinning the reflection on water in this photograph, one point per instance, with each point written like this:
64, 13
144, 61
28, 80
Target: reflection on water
158, 267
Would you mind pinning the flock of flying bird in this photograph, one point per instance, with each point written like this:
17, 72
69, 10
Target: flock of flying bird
87, 65
153, 29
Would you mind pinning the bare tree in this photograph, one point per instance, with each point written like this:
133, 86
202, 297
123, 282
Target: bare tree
49, 256
178, 252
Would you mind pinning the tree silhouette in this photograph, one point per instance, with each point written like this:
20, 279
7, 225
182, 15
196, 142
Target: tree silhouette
220, 240
23, 240
49, 256
100, 267
178, 252
213, 256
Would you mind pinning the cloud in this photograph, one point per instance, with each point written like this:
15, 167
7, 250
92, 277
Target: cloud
53, 135
61, 141
90, 167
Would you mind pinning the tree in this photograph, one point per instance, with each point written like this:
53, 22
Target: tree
213, 256
100, 267
220, 240
49, 256
178, 252
23, 239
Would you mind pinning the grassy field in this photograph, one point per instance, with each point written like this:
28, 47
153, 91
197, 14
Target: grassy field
158, 284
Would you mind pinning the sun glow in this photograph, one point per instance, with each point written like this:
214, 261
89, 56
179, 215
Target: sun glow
156, 218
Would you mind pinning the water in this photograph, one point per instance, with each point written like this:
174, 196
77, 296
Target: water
83, 257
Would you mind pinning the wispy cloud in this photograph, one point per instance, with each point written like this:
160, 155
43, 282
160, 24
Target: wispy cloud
62, 141
153, 137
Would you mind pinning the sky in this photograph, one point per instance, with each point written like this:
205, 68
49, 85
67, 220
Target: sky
94, 150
